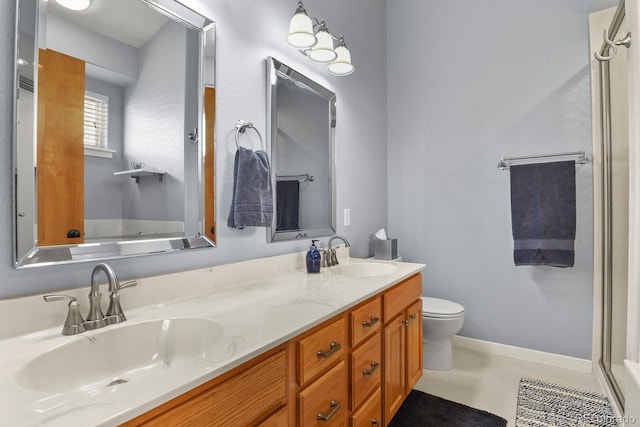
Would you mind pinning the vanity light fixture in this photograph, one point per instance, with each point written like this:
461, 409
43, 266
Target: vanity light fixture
314, 40
75, 4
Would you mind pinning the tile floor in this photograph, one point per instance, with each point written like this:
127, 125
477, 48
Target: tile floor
490, 382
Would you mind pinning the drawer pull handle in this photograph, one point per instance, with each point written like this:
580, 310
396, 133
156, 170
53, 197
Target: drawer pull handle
406, 322
375, 422
374, 368
334, 346
335, 407
369, 324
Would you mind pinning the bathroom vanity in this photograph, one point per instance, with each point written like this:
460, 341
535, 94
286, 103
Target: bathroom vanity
259, 342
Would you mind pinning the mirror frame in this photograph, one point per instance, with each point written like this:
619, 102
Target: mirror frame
67, 254
278, 70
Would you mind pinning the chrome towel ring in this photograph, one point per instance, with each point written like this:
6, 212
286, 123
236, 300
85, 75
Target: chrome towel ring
241, 127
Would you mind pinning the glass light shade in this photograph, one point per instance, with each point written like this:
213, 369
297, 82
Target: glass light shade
75, 4
342, 65
323, 51
301, 31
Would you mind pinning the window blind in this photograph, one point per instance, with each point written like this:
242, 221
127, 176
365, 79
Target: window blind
96, 120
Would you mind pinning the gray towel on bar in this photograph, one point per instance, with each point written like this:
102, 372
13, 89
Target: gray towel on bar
543, 213
288, 201
252, 202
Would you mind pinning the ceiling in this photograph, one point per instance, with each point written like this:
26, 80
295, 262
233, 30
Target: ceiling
132, 22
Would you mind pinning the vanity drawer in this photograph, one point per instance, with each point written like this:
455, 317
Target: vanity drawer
320, 350
370, 414
401, 296
366, 372
327, 396
365, 321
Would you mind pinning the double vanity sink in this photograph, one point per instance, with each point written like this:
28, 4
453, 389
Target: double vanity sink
110, 375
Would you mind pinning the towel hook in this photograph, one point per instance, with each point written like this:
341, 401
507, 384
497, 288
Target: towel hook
625, 41
241, 127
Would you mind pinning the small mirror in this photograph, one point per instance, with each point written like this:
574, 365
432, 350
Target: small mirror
115, 106
301, 133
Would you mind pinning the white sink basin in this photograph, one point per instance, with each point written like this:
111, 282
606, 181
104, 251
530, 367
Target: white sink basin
124, 353
365, 269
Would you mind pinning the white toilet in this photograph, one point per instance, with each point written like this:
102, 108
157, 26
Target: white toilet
441, 320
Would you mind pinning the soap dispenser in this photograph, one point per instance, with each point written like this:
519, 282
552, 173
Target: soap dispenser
313, 258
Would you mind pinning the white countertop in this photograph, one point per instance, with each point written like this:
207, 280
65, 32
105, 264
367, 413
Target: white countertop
255, 316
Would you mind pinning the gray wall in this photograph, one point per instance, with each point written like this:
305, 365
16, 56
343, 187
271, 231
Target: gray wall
248, 32
503, 78
102, 190
154, 127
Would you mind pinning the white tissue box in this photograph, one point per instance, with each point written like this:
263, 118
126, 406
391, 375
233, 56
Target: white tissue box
386, 249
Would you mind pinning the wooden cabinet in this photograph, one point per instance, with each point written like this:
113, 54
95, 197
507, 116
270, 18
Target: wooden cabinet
319, 350
414, 344
321, 386
279, 419
370, 413
365, 320
324, 402
402, 343
60, 153
355, 369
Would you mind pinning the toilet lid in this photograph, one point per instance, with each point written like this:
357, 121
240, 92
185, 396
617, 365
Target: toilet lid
436, 307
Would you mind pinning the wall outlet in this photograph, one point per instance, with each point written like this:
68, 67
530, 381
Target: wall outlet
347, 217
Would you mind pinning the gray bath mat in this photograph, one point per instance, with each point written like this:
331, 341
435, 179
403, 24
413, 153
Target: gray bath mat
544, 404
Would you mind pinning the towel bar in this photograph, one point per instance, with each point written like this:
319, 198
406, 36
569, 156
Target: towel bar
580, 157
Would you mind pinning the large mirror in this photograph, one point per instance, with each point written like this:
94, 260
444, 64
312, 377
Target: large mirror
301, 132
113, 148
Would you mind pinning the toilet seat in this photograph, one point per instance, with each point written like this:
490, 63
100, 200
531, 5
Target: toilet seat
440, 308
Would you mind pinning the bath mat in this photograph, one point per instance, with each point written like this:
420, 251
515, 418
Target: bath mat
425, 410
542, 404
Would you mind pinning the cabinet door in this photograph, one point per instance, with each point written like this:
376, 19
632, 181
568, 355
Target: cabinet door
60, 171
324, 402
394, 378
414, 345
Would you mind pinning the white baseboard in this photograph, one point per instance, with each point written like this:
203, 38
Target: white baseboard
536, 356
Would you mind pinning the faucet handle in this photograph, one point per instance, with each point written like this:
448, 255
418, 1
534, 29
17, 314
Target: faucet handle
114, 312
74, 322
129, 284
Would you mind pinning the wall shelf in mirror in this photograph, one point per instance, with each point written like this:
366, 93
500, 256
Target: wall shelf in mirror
138, 173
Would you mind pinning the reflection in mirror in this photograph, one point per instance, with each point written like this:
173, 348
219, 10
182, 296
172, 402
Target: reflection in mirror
109, 160
302, 120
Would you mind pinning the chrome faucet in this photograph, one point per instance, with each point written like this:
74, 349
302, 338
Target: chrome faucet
332, 257
75, 324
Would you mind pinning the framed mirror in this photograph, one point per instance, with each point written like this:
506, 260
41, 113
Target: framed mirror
301, 127
113, 147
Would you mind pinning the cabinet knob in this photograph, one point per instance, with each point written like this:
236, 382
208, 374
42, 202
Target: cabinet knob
73, 234
333, 347
375, 422
335, 407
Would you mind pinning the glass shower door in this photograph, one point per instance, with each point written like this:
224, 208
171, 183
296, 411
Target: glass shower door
615, 152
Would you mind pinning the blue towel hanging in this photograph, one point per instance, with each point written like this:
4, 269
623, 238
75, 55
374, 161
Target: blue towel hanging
543, 213
252, 200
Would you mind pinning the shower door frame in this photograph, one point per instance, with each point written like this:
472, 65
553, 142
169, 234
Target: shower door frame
607, 208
